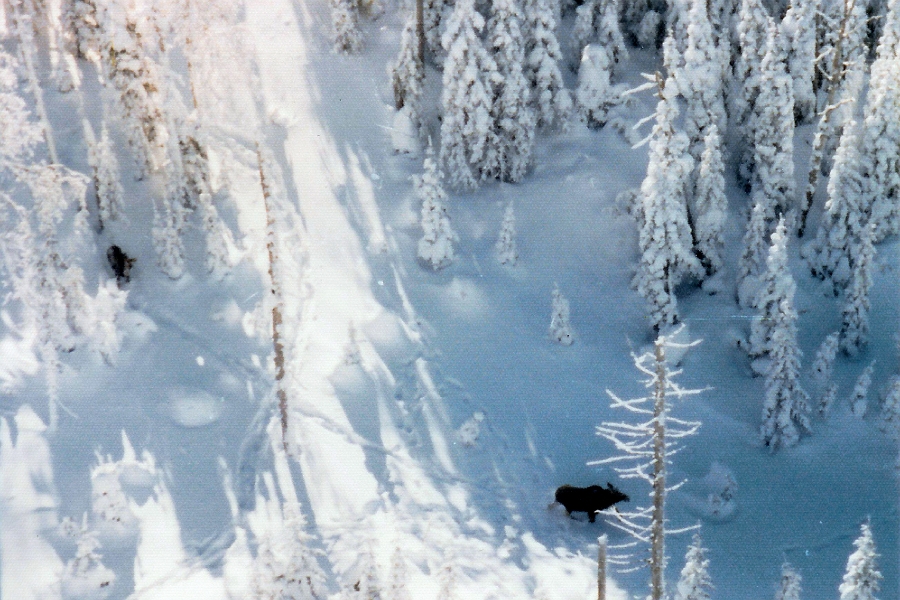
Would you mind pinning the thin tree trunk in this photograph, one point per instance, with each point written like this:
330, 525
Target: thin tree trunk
657, 525
277, 301
601, 567
825, 127
420, 30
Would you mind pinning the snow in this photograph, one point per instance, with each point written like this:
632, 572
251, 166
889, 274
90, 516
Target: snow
428, 409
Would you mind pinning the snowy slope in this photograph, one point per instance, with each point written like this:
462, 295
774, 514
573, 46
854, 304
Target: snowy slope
429, 411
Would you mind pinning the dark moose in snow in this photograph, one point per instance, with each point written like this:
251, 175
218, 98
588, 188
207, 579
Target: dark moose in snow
591, 499
120, 263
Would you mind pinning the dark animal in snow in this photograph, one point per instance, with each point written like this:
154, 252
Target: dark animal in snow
590, 500
120, 263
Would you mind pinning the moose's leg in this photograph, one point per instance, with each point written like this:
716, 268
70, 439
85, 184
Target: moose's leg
592, 514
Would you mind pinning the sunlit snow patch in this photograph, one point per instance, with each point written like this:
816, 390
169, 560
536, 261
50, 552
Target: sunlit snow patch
193, 408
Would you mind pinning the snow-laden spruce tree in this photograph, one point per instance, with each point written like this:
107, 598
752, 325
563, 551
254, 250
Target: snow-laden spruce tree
507, 253
799, 30
597, 21
700, 80
646, 447
552, 101
399, 577
789, 587
513, 116
595, 94
433, 24
859, 398
469, 145
751, 29
710, 203
834, 251
86, 573
82, 21
823, 370
408, 72
694, 582
436, 245
560, 329
752, 263
855, 312
139, 83
285, 566
881, 135
862, 577
105, 169
773, 129
774, 334
665, 240
890, 409
345, 18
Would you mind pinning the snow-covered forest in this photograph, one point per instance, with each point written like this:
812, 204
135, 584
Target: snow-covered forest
328, 299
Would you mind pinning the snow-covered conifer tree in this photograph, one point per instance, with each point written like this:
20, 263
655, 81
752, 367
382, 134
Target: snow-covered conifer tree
432, 21
710, 203
647, 447
833, 252
862, 577
85, 573
881, 136
436, 245
751, 30
105, 169
398, 582
665, 236
694, 583
773, 129
859, 399
285, 566
595, 94
553, 103
597, 21
786, 404
469, 145
560, 328
823, 369
799, 30
514, 119
82, 22
753, 256
855, 313
789, 588
700, 80
408, 72
890, 409
507, 253
138, 81
345, 18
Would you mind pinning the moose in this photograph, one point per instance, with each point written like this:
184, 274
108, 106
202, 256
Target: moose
120, 263
590, 500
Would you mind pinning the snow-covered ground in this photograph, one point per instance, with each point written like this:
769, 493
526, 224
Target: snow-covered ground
430, 416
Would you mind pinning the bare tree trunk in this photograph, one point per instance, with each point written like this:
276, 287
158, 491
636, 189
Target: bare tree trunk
277, 300
420, 30
657, 525
825, 128
601, 567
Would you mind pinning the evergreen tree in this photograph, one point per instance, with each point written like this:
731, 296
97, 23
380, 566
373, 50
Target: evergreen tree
665, 235
469, 145
553, 103
399, 576
860, 395
862, 577
786, 404
881, 135
700, 80
436, 245
823, 370
833, 253
789, 589
890, 409
777, 285
710, 203
105, 168
694, 583
408, 72
285, 567
855, 313
799, 30
82, 22
753, 256
432, 17
560, 329
345, 18
595, 94
751, 30
773, 129
507, 253
597, 21
513, 116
